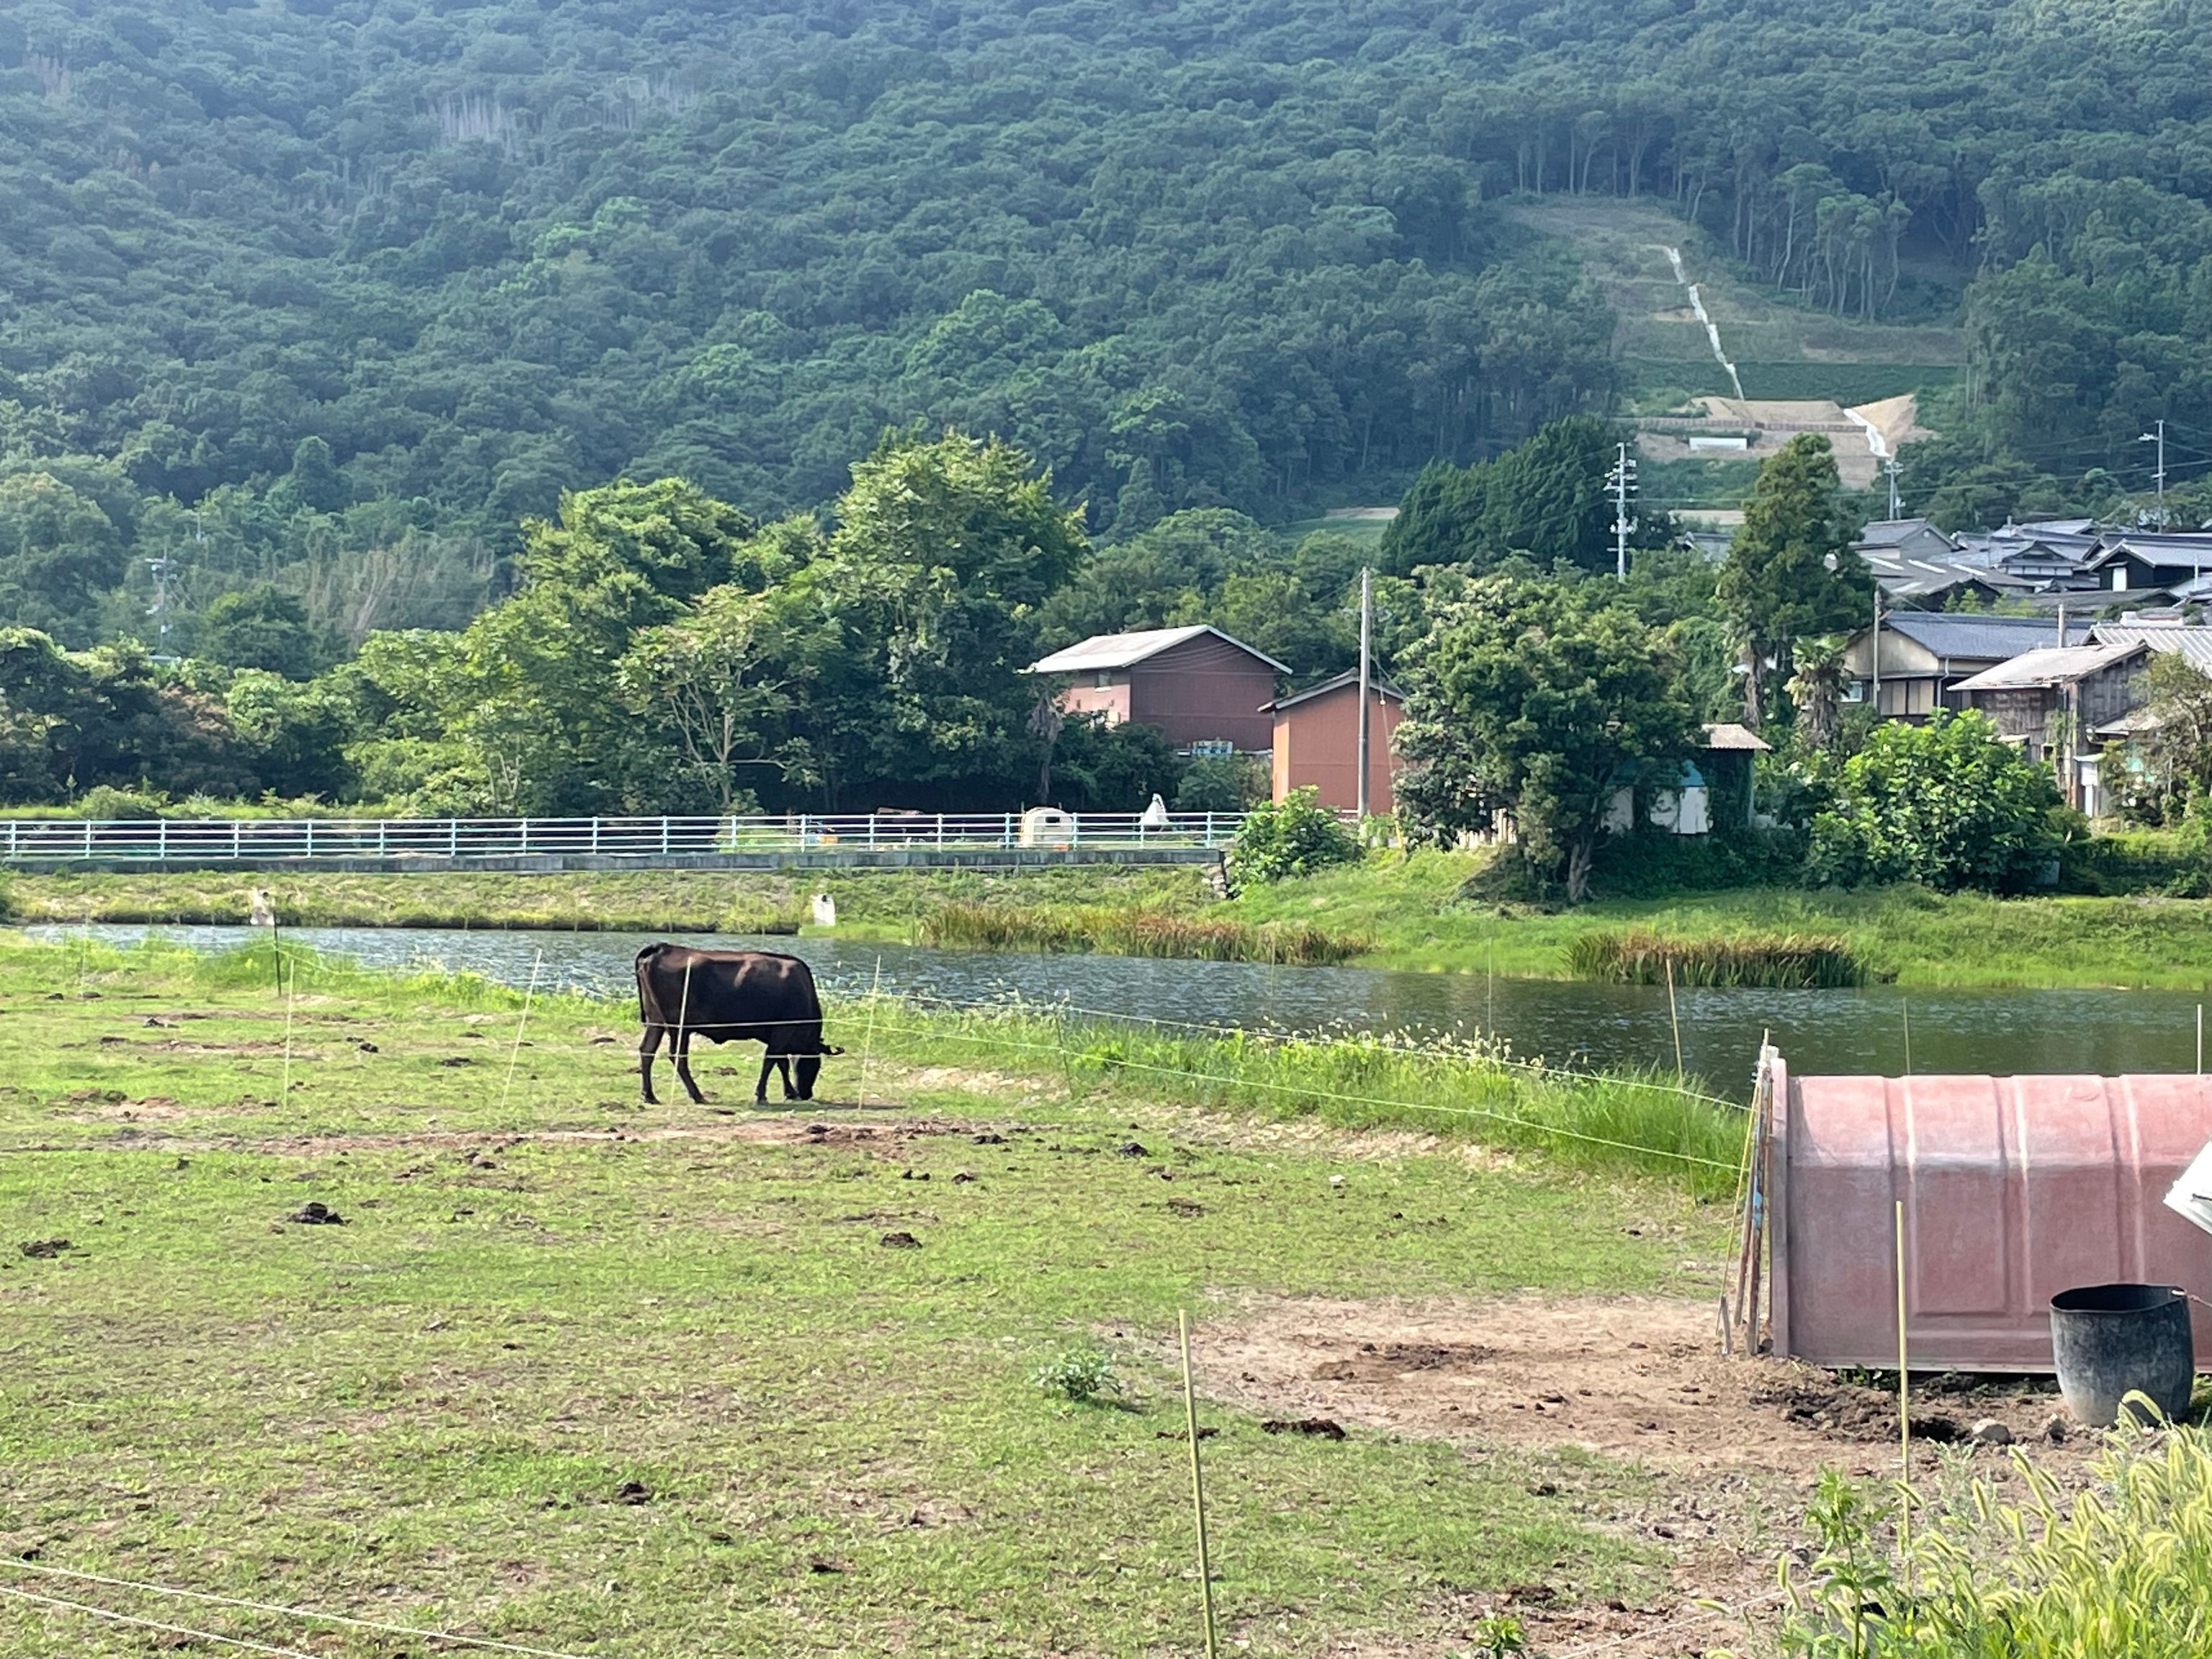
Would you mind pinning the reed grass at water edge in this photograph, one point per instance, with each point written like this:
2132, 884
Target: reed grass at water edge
1791, 962
1134, 932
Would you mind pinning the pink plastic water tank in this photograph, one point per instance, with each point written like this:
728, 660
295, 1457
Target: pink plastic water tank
2014, 1188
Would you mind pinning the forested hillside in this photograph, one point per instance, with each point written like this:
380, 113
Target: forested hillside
336, 292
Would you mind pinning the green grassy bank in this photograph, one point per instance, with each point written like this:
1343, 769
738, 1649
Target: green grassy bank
647, 901
1915, 937
587, 1376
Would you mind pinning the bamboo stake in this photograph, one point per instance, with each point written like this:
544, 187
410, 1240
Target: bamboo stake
291, 1001
1197, 1485
1903, 1409
515, 1053
868, 1045
1674, 1018
676, 1056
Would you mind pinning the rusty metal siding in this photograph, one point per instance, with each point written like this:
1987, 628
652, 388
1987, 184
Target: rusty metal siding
2014, 1188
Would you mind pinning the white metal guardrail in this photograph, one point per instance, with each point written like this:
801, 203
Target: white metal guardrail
155, 841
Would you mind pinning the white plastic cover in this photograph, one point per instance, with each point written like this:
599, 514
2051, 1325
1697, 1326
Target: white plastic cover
2191, 1197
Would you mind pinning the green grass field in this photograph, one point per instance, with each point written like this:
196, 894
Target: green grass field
432, 1413
651, 901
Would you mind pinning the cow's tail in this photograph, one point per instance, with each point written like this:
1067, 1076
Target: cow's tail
648, 1004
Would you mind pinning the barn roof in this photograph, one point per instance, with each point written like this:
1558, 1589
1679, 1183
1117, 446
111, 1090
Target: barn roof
1967, 633
2052, 665
1126, 650
2192, 644
1337, 682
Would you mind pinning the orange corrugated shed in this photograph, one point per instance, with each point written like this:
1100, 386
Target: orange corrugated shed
2014, 1188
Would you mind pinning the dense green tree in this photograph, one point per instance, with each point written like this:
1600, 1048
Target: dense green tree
261, 627
1949, 803
722, 681
59, 553
1790, 570
1541, 700
944, 551
519, 712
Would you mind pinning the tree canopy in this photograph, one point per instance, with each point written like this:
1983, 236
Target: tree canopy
1541, 699
337, 293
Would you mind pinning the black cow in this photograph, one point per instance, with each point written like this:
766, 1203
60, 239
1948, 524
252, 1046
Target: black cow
730, 996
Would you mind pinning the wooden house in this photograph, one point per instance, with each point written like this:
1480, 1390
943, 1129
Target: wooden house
1924, 654
2051, 703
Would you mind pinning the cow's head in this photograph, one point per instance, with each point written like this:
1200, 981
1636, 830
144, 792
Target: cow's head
808, 1067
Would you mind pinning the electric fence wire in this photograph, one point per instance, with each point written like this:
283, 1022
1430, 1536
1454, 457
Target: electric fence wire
1219, 1031
1307, 1090
310, 1614
189, 1634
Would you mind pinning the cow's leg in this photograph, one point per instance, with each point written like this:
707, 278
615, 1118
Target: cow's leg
760, 1089
681, 1045
645, 1052
783, 1065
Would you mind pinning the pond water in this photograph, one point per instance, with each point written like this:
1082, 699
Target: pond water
1566, 1023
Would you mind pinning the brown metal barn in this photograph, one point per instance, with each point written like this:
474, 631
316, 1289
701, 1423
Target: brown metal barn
1318, 742
1197, 685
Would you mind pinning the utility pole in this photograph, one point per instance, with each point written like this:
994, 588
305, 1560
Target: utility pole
159, 610
1366, 678
1890, 467
1873, 650
2159, 438
1623, 479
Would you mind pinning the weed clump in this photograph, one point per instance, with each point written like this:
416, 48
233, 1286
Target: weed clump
1082, 1375
2124, 1568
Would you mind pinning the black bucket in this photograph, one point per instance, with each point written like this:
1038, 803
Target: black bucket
2111, 1340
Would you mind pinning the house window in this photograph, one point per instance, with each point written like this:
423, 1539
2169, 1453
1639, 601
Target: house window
1212, 749
1105, 678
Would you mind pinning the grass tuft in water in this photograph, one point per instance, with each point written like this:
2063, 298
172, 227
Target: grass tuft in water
1133, 933
1789, 962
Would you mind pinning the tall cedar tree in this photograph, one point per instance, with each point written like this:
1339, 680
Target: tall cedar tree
1776, 585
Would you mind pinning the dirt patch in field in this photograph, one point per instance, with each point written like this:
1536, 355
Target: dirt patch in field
1639, 1377
1733, 1445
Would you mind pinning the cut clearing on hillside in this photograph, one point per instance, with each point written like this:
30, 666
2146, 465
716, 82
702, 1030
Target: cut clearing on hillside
1781, 349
